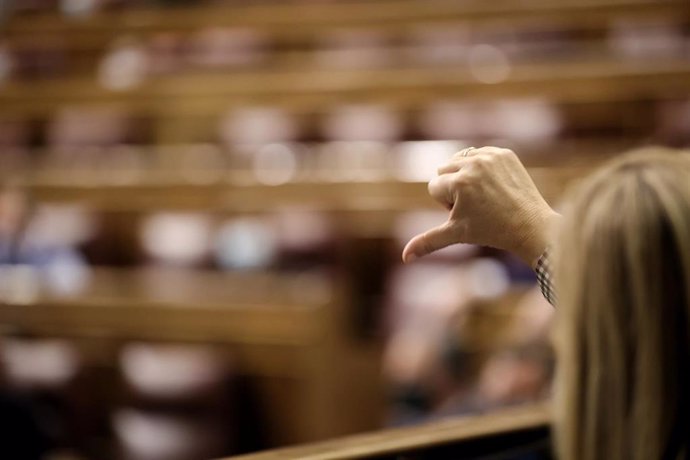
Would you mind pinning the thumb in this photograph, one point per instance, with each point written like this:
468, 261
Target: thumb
429, 241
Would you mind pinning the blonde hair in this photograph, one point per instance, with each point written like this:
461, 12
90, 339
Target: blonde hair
622, 336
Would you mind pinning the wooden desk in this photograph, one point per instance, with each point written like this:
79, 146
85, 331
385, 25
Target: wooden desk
406, 442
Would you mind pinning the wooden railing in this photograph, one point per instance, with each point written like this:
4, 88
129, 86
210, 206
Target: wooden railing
505, 434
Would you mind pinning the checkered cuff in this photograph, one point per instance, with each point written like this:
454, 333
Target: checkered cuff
545, 277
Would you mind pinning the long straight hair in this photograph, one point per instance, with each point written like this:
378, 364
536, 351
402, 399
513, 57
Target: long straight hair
622, 334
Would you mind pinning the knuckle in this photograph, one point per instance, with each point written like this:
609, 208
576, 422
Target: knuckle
485, 161
448, 166
431, 186
461, 180
505, 153
498, 151
435, 182
456, 156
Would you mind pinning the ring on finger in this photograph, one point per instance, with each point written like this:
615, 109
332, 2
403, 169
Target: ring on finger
467, 151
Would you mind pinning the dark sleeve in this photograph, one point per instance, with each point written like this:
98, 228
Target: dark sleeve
545, 277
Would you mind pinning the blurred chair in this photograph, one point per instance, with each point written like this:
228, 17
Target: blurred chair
7, 62
524, 121
353, 161
306, 239
438, 45
38, 58
258, 125
146, 435
43, 364
82, 7
277, 164
32, 5
258, 136
177, 238
246, 243
222, 48
52, 374
166, 50
77, 126
449, 120
198, 163
353, 49
174, 372
125, 65
673, 122
417, 161
362, 122
179, 402
647, 40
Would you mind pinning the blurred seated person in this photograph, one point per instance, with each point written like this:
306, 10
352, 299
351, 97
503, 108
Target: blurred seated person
47, 238
622, 273
470, 360
13, 217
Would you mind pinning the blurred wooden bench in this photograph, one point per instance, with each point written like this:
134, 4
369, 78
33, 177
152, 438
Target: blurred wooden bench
296, 22
293, 29
504, 434
311, 91
287, 334
366, 197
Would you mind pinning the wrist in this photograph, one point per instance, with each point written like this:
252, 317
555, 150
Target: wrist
537, 236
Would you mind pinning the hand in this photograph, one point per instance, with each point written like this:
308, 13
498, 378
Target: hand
492, 201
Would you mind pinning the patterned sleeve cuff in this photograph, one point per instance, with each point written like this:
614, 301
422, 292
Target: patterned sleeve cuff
545, 277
